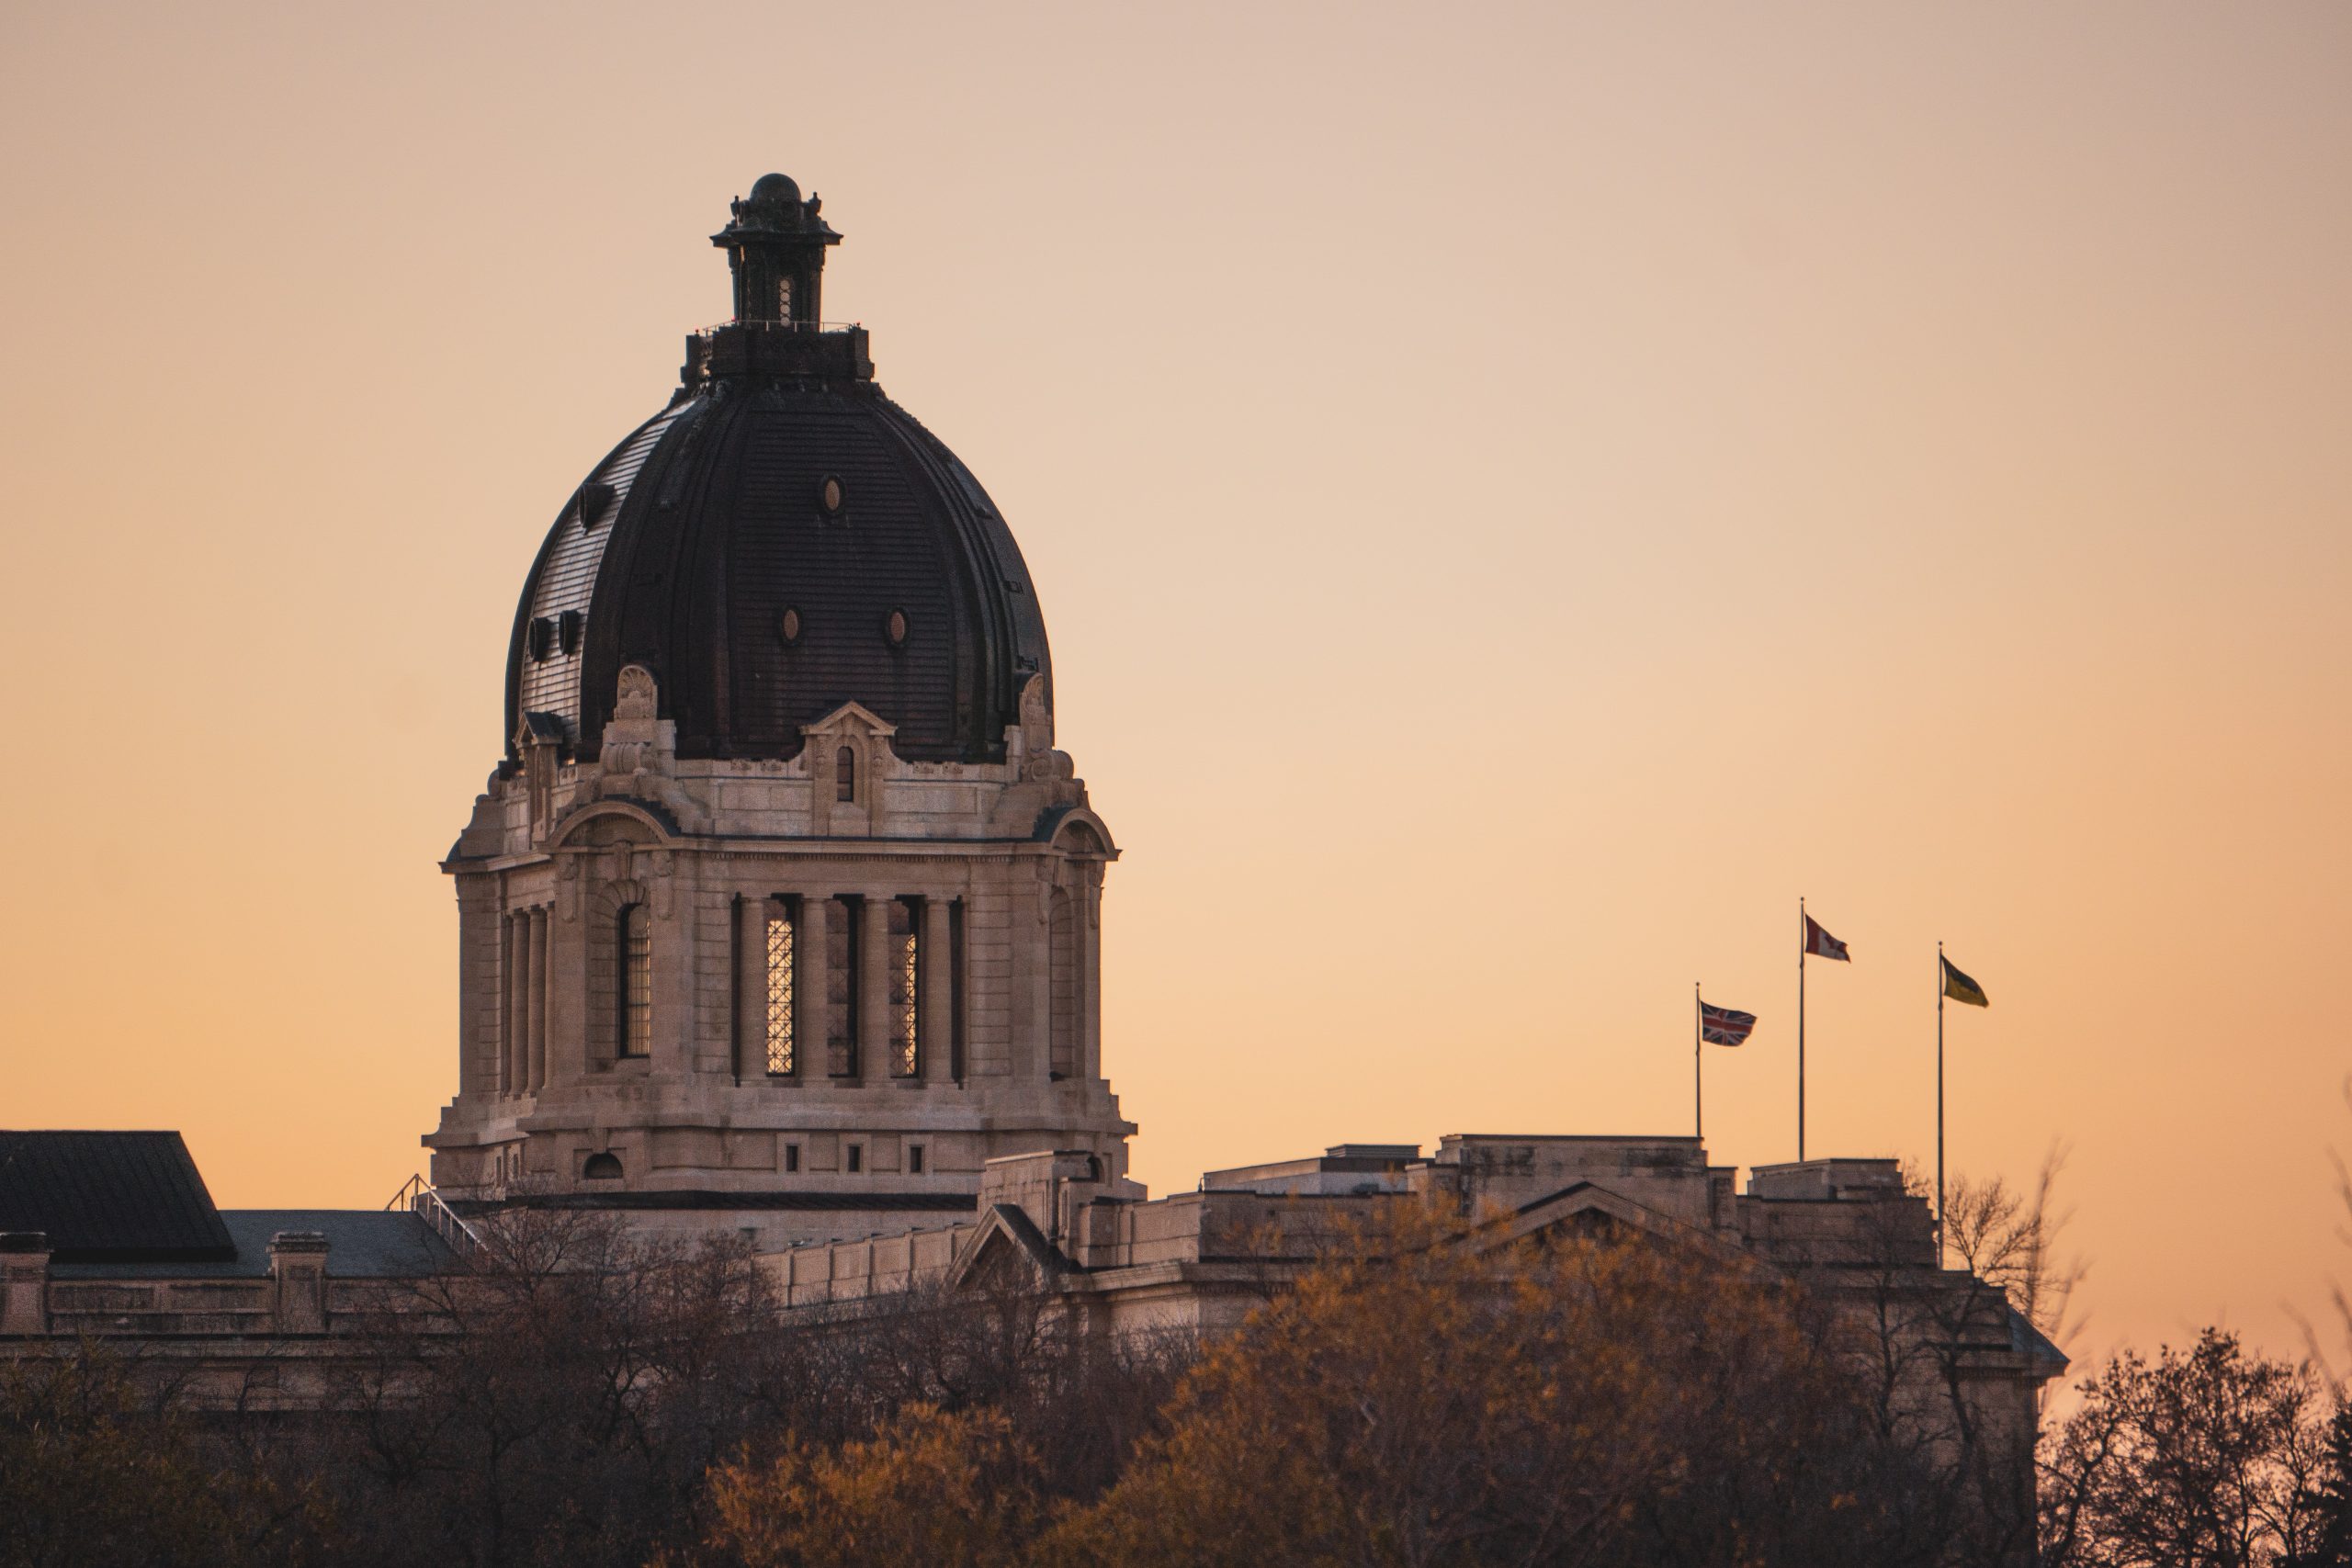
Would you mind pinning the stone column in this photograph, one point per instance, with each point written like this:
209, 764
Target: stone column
536, 1077
482, 990
748, 953
566, 993
298, 1277
874, 989
672, 888
519, 1049
812, 1022
1032, 978
24, 1282
937, 1024
497, 1084
518, 980
1088, 915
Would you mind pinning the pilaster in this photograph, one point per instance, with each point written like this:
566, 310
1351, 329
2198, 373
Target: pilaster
537, 1074
873, 988
936, 1025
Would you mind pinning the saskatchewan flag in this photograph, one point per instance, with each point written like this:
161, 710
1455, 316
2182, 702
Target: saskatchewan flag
1960, 988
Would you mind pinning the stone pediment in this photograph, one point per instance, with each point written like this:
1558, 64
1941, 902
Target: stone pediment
1587, 1210
851, 718
1008, 1251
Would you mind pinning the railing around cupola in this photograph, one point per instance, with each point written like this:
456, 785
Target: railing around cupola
785, 327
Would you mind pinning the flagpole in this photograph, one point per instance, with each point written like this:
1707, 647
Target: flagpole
1939, 1105
1698, 1085
1801, 945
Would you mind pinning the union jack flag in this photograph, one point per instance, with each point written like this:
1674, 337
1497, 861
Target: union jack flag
1722, 1026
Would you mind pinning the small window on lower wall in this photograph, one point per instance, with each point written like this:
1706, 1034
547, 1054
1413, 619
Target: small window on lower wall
915, 1159
856, 1158
602, 1167
791, 1157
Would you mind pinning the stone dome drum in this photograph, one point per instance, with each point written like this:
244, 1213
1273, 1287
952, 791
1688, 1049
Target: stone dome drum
780, 540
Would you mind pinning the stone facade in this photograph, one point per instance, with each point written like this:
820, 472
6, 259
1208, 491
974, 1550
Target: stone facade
858, 978
791, 984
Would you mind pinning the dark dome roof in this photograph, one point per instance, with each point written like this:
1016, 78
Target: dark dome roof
780, 540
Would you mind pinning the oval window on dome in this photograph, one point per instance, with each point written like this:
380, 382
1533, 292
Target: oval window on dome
831, 496
787, 627
895, 628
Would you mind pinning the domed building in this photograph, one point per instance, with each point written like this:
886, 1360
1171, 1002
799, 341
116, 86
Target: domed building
780, 901
780, 918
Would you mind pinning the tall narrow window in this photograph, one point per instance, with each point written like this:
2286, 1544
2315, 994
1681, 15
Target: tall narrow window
1065, 986
841, 989
845, 774
906, 969
955, 990
780, 943
636, 980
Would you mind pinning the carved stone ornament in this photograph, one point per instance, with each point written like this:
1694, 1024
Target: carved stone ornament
636, 696
1036, 718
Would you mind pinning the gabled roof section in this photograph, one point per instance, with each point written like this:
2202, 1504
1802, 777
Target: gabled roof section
1583, 1204
110, 1198
2030, 1342
1007, 1238
850, 715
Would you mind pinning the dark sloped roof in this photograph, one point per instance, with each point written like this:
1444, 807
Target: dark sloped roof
362, 1244
110, 1197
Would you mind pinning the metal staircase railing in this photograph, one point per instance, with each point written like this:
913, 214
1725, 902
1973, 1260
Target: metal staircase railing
419, 1197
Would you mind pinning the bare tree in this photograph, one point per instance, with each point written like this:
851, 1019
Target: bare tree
2014, 1241
2208, 1458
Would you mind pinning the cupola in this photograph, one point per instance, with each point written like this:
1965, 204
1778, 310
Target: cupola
781, 539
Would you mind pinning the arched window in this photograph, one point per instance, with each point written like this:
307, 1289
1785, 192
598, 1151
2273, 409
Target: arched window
636, 980
845, 773
602, 1167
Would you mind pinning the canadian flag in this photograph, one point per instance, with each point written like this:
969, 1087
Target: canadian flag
1821, 944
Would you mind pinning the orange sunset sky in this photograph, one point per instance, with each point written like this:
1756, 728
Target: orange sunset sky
1519, 493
